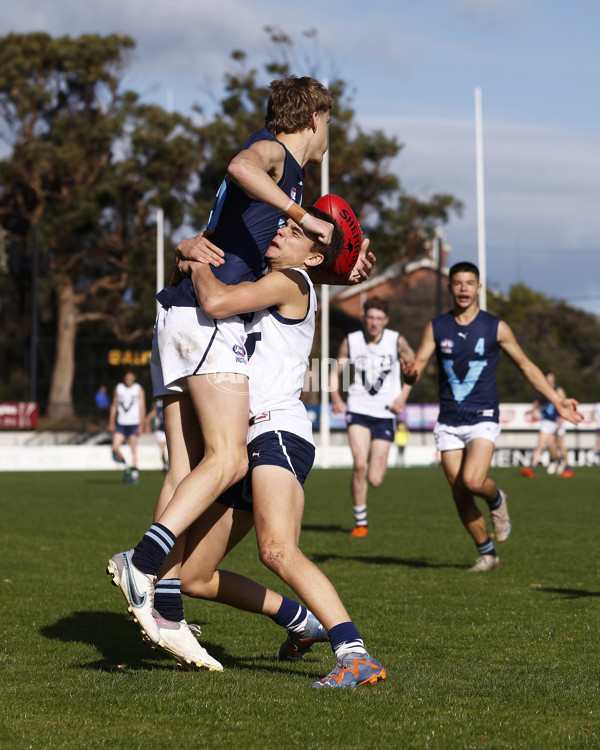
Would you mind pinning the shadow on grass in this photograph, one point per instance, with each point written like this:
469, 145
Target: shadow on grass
119, 641
116, 637
381, 560
568, 593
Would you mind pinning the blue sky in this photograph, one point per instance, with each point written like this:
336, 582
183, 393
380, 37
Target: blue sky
412, 69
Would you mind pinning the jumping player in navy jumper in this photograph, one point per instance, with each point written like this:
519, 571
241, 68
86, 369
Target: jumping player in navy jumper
199, 365
467, 343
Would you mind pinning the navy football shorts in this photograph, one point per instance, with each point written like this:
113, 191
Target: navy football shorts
381, 429
278, 448
127, 429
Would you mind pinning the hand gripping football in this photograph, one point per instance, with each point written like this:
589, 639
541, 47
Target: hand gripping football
348, 223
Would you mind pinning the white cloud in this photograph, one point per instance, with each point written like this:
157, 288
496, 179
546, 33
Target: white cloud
541, 197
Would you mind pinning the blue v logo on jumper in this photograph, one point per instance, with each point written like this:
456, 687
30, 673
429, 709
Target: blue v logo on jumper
462, 388
374, 389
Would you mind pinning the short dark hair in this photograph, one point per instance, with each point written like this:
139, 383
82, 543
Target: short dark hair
292, 103
329, 252
463, 267
376, 303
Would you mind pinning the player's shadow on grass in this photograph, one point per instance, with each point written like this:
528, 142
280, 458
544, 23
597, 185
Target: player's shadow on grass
116, 637
568, 593
382, 560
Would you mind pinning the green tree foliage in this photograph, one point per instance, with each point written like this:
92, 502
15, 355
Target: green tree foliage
88, 165
88, 168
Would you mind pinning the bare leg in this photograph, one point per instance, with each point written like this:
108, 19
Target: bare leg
469, 513
184, 444
222, 414
133, 443
378, 459
209, 540
117, 441
278, 501
359, 438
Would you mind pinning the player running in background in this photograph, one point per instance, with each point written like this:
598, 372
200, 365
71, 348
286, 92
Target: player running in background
552, 430
467, 343
193, 351
375, 396
126, 421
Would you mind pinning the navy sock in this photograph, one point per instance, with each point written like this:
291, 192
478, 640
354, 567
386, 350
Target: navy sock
345, 639
156, 544
291, 615
167, 599
487, 548
493, 504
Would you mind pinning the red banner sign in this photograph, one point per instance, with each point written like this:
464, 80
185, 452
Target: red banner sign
19, 415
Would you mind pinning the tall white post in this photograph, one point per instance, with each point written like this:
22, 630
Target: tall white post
160, 252
481, 252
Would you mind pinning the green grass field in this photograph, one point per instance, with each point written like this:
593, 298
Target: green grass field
509, 658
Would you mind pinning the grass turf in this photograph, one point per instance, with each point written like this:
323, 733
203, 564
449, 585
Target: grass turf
502, 659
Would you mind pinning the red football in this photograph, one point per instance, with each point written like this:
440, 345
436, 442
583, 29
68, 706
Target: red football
348, 223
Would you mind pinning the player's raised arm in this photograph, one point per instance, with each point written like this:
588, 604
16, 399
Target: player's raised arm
413, 369
566, 407
257, 169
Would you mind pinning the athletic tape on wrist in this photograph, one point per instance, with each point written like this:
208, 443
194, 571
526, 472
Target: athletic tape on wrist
295, 212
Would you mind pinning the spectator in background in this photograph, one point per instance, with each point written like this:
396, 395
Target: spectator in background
401, 438
102, 402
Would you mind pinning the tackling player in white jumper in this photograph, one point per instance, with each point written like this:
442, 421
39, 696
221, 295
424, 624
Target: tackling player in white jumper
281, 453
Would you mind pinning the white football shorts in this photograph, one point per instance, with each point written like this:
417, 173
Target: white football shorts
449, 438
549, 426
186, 341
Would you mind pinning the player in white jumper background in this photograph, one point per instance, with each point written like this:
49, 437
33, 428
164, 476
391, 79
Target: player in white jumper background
375, 397
281, 452
126, 421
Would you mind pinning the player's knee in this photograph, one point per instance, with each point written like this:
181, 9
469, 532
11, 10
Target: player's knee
473, 484
227, 467
360, 469
376, 480
275, 556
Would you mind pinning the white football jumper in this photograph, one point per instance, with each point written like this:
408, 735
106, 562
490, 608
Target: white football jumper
128, 406
376, 381
279, 350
